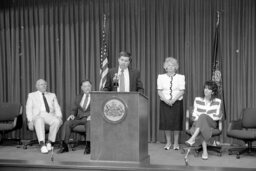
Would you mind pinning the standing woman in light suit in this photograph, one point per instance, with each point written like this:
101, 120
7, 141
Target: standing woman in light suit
171, 88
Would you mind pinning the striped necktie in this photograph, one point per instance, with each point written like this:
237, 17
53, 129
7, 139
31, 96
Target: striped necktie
46, 104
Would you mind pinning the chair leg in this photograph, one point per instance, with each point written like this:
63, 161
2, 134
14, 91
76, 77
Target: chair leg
239, 151
4, 138
29, 143
217, 149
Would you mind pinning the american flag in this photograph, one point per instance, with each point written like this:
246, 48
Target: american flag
104, 53
217, 62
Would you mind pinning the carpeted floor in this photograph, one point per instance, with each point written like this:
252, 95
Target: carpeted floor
157, 154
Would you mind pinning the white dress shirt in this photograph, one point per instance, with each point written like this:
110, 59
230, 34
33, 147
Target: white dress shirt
83, 99
126, 79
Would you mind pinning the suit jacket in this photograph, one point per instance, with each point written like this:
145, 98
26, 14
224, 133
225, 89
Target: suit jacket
135, 82
35, 104
77, 110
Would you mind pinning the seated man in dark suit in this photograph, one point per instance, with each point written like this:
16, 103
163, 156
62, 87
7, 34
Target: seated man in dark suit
79, 115
122, 78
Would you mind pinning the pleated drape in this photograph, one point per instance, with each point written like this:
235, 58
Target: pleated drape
59, 40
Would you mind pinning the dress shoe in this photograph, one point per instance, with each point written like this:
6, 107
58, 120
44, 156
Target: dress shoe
176, 147
63, 150
49, 146
167, 146
44, 149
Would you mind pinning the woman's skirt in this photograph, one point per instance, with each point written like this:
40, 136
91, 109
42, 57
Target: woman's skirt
171, 117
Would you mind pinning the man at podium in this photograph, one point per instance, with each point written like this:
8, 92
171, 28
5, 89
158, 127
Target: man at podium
123, 78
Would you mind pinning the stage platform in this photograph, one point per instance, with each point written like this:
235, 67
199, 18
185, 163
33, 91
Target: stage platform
13, 158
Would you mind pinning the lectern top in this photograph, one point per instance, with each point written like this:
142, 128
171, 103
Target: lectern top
114, 92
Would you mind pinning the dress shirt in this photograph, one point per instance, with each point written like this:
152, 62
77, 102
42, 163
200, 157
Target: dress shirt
178, 84
83, 99
126, 79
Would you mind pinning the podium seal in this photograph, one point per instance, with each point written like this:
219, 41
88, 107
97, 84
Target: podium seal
114, 110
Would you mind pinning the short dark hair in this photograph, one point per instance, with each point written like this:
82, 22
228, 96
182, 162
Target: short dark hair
126, 54
212, 86
86, 80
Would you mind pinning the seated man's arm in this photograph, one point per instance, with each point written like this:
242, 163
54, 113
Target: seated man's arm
57, 109
74, 109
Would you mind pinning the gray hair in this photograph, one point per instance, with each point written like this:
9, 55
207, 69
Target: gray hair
40, 80
171, 61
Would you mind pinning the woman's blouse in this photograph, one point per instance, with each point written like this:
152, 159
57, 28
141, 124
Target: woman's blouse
171, 86
212, 109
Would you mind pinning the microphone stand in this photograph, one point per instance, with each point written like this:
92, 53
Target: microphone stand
52, 158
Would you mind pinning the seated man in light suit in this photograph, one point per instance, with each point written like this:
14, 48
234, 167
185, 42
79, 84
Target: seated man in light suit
80, 114
43, 108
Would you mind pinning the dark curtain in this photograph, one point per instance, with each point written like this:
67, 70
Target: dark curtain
59, 40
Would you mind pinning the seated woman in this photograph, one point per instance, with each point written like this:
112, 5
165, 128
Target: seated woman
205, 114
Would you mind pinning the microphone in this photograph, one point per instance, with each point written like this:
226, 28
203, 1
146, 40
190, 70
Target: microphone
115, 80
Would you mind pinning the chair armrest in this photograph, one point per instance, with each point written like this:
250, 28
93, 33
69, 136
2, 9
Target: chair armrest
187, 120
235, 125
220, 125
18, 121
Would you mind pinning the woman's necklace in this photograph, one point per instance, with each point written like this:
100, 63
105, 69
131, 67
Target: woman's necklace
171, 74
207, 101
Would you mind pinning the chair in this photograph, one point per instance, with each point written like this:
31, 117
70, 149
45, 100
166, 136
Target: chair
243, 129
10, 119
82, 131
216, 132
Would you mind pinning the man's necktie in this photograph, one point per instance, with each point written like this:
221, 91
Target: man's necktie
46, 104
85, 101
122, 84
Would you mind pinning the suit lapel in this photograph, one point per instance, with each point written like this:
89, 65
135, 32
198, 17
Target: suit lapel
131, 73
39, 98
80, 96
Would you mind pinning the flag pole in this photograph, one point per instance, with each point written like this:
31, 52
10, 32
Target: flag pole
217, 63
104, 51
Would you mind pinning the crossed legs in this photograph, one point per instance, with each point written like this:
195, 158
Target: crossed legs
203, 127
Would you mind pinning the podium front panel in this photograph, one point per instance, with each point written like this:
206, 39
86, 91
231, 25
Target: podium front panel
119, 127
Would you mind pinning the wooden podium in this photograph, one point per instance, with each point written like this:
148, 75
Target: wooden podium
119, 127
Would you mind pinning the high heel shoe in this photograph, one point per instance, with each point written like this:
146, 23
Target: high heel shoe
190, 143
205, 157
167, 147
176, 147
